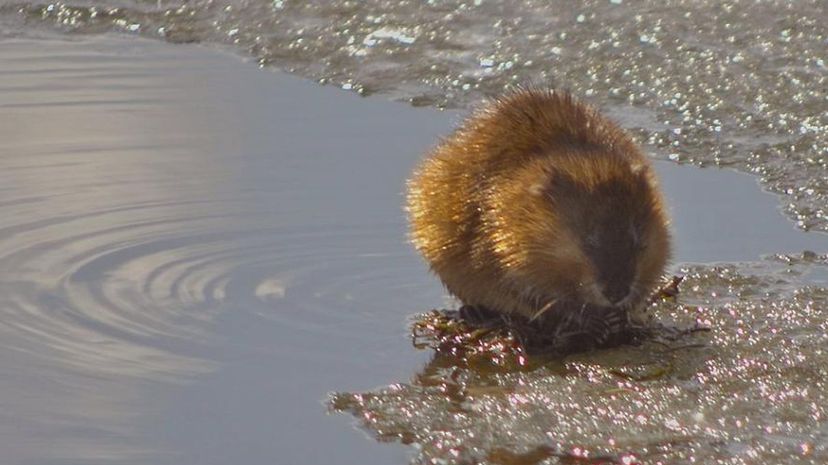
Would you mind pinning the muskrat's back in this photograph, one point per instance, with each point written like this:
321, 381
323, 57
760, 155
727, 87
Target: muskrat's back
537, 203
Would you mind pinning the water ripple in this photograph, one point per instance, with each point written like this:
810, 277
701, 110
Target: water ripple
129, 236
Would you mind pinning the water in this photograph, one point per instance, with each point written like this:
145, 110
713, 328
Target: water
188, 266
740, 83
195, 253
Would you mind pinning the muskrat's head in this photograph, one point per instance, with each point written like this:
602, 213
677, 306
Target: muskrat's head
614, 213
594, 230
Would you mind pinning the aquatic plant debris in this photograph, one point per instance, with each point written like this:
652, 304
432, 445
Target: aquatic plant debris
755, 392
472, 333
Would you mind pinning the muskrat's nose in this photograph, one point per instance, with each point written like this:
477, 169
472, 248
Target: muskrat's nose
616, 293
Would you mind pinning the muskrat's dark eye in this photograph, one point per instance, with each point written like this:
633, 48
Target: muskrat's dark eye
592, 240
636, 239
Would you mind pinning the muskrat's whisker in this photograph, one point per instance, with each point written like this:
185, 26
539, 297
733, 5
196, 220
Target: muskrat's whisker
543, 310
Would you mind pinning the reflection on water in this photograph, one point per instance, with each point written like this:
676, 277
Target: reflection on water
194, 252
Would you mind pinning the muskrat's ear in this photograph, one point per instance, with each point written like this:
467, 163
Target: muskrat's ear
540, 185
561, 185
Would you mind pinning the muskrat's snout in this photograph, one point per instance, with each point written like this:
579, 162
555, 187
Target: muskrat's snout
614, 265
609, 293
616, 292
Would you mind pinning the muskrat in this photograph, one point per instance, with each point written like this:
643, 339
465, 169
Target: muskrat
539, 207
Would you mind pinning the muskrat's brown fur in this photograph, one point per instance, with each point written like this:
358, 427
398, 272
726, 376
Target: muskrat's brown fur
538, 205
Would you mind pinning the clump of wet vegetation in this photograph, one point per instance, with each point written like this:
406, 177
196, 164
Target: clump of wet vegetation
507, 339
752, 389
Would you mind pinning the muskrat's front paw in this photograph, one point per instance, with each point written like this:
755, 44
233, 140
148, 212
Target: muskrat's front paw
479, 317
